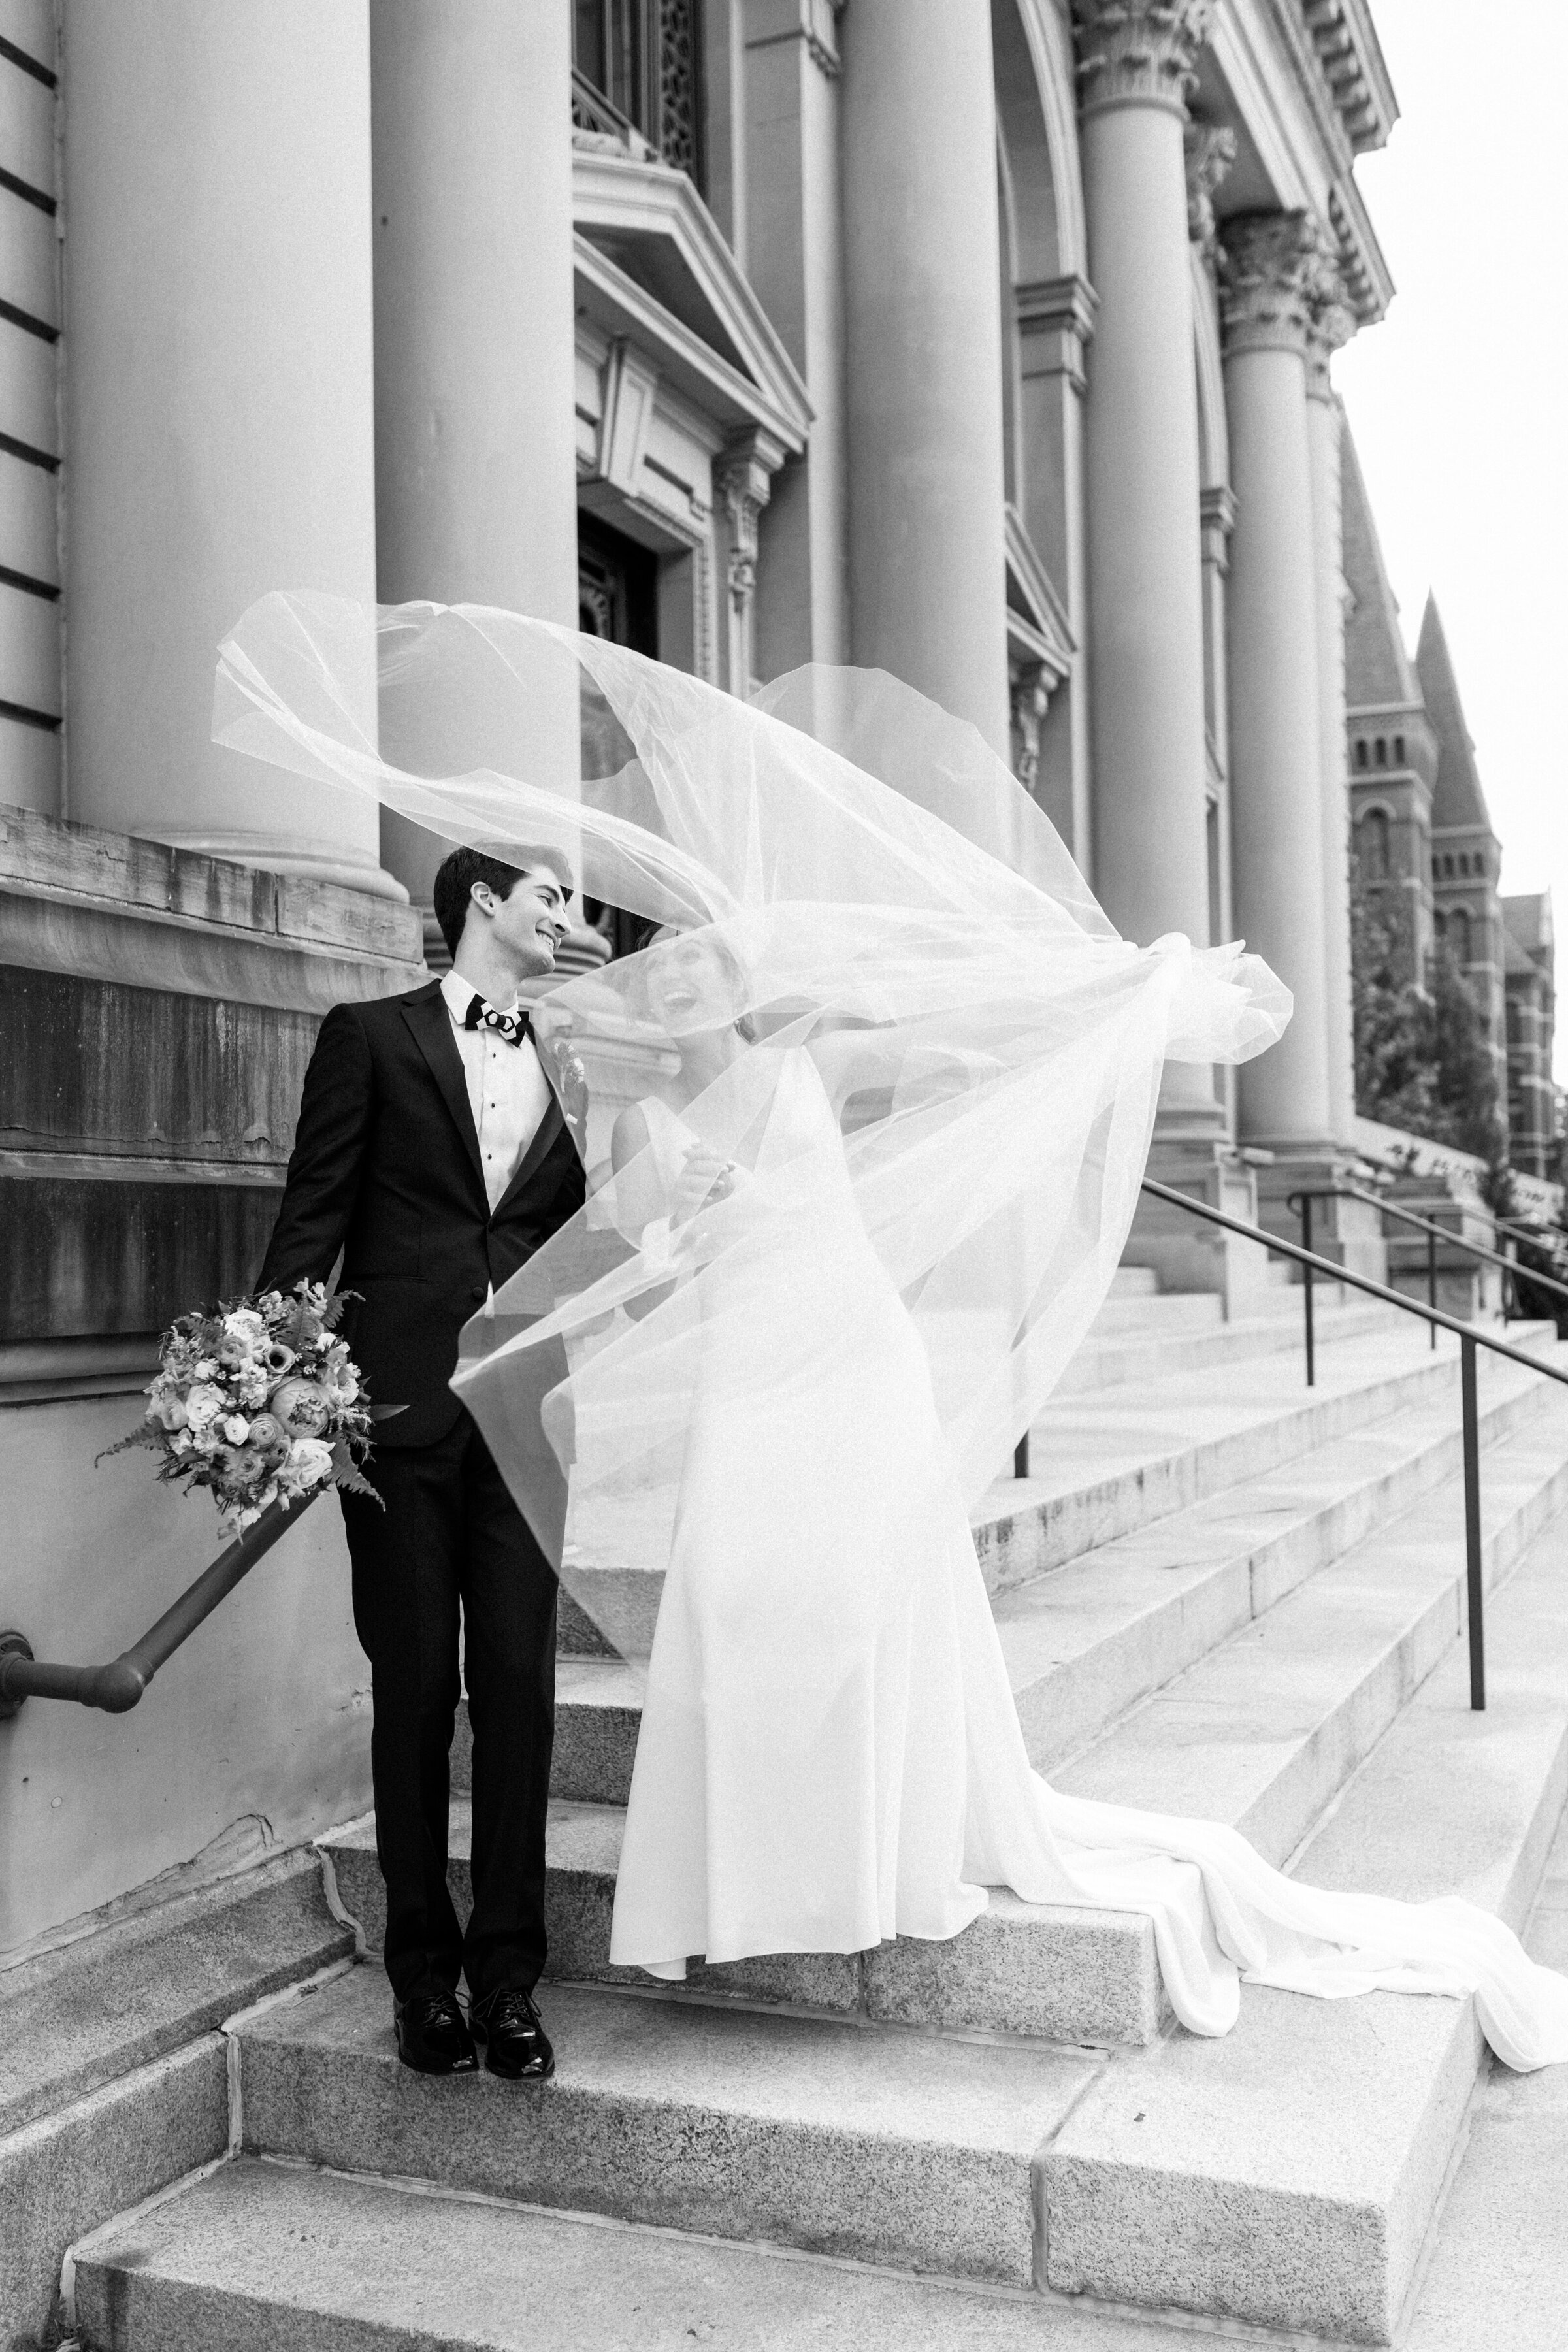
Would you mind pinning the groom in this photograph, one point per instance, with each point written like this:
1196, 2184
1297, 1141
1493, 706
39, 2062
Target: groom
431, 1150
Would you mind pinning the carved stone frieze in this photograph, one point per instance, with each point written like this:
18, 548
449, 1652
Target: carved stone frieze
1210, 151
1138, 52
1273, 271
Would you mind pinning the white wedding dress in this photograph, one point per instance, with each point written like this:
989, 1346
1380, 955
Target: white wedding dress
936, 1064
830, 1754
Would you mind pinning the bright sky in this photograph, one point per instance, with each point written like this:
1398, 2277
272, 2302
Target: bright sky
1456, 401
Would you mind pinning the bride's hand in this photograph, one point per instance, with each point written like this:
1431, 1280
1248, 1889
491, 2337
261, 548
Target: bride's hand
704, 1178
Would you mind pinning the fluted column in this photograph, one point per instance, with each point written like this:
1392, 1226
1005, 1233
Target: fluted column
927, 556
475, 431
1272, 274
1151, 864
218, 400
1333, 324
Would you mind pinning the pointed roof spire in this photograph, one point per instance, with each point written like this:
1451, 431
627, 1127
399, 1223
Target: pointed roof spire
1457, 799
1377, 667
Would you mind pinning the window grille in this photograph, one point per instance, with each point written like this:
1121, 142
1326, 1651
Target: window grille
636, 68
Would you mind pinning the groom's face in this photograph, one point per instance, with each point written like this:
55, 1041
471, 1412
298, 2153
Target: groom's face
530, 922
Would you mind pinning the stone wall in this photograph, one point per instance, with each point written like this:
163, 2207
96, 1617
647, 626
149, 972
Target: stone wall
157, 1011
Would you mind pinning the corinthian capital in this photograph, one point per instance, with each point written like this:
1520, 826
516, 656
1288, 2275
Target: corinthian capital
1334, 322
1272, 277
1138, 52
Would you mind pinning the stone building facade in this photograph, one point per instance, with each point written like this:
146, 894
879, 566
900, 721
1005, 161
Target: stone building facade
985, 341
1423, 836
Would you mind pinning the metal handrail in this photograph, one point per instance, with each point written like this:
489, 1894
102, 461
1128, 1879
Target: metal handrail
1537, 1234
1435, 1232
1470, 1340
120, 1685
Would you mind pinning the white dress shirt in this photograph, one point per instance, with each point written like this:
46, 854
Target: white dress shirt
509, 1093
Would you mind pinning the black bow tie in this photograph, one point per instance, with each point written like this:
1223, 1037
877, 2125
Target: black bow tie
512, 1027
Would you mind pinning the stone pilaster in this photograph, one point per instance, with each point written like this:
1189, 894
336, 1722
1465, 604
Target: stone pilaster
1333, 324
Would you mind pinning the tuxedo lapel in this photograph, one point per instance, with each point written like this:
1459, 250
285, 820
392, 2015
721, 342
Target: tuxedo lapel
544, 1135
431, 1026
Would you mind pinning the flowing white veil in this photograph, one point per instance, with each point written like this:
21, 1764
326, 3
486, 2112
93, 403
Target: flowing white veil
871, 886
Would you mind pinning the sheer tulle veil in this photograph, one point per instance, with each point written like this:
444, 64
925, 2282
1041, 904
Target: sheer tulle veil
863, 1126
871, 885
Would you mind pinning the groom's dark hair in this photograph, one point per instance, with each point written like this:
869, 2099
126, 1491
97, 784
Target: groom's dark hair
456, 874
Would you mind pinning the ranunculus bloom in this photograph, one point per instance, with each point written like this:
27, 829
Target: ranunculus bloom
236, 1429
204, 1405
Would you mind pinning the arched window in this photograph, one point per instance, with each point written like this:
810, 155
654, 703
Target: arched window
1361, 752
1380, 751
1447, 868
1459, 934
1372, 845
1399, 750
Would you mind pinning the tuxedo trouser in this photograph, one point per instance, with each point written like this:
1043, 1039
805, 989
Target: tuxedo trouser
451, 1540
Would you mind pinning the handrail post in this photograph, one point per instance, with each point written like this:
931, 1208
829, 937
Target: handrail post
1307, 1284
1431, 1285
1474, 1599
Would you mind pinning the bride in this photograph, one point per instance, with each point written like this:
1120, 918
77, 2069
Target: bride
864, 1124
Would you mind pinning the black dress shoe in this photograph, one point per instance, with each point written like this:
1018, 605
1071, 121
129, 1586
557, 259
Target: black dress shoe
433, 2036
516, 2043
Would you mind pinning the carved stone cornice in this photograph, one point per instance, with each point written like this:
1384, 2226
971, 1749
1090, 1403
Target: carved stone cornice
1271, 280
1138, 52
1210, 151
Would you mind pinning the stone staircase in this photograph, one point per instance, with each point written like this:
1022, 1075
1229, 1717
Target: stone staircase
1222, 1594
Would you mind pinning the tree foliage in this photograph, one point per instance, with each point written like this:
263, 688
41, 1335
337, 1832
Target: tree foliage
1422, 1056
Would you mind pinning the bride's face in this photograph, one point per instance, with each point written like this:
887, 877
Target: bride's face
689, 986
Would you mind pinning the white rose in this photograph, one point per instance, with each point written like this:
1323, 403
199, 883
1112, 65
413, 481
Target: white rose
203, 1405
206, 1369
236, 1429
245, 1324
308, 1463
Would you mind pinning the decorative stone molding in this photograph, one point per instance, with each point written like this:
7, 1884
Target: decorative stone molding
1271, 280
1056, 320
1210, 151
743, 479
813, 22
1216, 520
1030, 697
1138, 52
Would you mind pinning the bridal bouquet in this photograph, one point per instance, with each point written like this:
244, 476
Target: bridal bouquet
261, 1402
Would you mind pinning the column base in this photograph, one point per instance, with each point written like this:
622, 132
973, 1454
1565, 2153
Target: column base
299, 862
1186, 1251
1349, 1231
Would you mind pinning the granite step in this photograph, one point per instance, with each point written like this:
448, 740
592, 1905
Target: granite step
911, 2150
1087, 1641
1145, 1347
1262, 1734
1283, 2177
112, 2074
1290, 2174
262, 2255
1264, 1730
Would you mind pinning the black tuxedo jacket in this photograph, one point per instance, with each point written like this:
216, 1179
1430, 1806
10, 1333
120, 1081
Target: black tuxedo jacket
386, 1168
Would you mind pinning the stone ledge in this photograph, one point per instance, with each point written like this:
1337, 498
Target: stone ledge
107, 906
